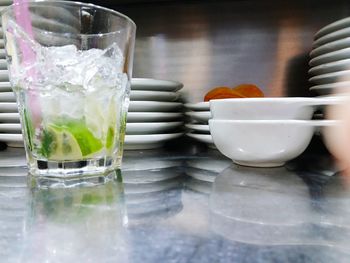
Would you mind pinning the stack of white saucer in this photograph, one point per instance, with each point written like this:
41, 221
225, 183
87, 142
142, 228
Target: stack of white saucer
197, 125
330, 58
154, 117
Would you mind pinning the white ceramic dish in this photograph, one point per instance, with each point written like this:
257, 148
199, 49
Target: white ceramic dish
330, 57
201, 116
331, 88
14, 140
339, 34
7, 97
153, 116
330, 47
205, 138
9, 117
10, 128
265, 108
330, 67
204, 128
4, 75
5, 86
200, 106
150, 141
151, 127
149, 106
155, 84
262, 143
154, 95
2, 51
334, 77
8, 106
335, 26
3, 62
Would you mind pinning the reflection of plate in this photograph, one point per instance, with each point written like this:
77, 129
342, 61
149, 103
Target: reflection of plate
331, 67
330, 47
155, 84
154, 95
151, 176
13, 157
200, 106
153, 116
7, 106
10, 127
200, 174
140, 106
339, 76
152, 187
150, 127
206, 138
339, 34
9, 117
329, 88
199, 127
335, 26
150, 141
201, 116
199, 186
330, 57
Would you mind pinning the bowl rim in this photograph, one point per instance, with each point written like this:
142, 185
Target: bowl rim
284, 122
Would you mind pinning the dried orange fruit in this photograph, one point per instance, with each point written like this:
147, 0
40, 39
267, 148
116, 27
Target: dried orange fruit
221, 93
249, 91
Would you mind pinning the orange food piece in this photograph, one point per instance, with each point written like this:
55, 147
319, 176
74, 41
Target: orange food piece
240, 91
221, 93
249, 91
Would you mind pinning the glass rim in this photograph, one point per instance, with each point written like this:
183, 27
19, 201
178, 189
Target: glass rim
74, 3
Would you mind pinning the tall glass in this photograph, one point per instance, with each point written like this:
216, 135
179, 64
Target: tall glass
70, 66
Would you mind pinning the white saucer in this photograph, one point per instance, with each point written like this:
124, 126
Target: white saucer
5, 86
205, 138
12, 140
154, 95
7, 97
331, 67
4, 75
9, 117
336, 35
150, 141
330, 47
330, 57
8, 106
335, 26
200, 106
328, 78
329, 88
140, 106
201, 116
155, 84
150, 127
198, 127
3, 62
2, 51
153, 116
10, 127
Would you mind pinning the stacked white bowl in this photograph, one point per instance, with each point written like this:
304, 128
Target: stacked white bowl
264, 132
197, 125
330, 58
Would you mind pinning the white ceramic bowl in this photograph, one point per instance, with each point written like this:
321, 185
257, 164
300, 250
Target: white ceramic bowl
266, 108
262, 143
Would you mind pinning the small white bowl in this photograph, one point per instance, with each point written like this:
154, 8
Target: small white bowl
262, 143
266, 108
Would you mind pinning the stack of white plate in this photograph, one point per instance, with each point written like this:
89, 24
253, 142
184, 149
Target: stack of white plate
330, 58
155, 114
197, 125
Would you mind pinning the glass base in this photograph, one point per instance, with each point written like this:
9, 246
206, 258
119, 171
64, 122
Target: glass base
73, 169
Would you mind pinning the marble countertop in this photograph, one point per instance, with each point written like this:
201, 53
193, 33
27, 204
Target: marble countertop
166, 207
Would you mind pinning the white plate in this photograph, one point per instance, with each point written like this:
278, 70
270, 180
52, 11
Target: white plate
330, 47
205, 138
330, 88
10, 128
201, 116
330, 57
154, 95
7, 97
151, 127
9, 117
328, 78
151, 141
5, 86
4, 75
8, 106
9, 137
336, 35
155, 84
339, 24
140, 106
153, 116
330, 67
3, 62
2, 51
200, 106
198, 127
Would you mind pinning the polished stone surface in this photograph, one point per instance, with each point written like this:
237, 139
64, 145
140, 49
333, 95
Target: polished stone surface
171, 207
